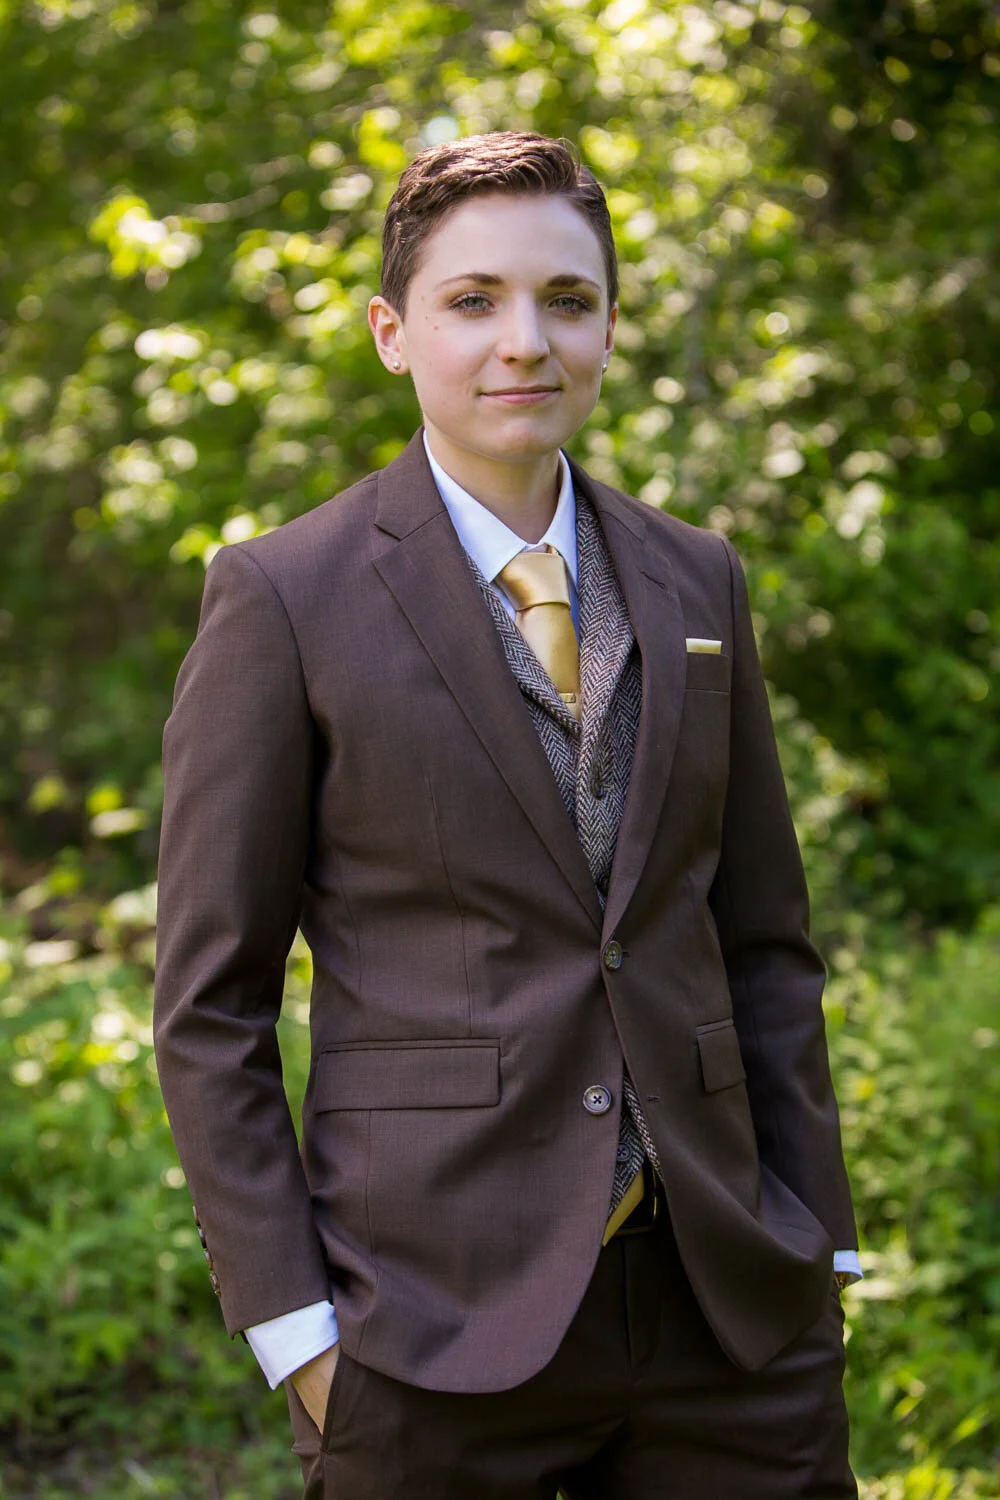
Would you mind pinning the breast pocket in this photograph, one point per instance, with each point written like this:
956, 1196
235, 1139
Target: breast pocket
707, 673
701, 765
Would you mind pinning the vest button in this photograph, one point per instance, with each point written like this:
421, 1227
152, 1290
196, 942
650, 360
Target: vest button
612, 955
597, 1099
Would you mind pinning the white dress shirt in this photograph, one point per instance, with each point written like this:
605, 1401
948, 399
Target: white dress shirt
284, 1344
492, 545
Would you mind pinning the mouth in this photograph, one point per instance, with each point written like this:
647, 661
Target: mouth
523, 395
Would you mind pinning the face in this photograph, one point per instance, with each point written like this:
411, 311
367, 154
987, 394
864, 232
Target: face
507, 327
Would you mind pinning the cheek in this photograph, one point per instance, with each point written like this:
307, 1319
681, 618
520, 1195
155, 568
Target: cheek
585, 370
583, 348
448, 352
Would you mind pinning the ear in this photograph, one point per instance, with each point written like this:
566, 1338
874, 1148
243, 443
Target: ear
387, 331
609, 337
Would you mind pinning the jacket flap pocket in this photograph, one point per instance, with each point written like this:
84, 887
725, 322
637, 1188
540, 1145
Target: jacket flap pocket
721, 1061
708, 673
408, 1075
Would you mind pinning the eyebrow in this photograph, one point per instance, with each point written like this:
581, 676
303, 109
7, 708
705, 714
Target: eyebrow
488, 278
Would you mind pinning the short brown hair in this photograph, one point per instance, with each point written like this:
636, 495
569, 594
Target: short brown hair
502, 161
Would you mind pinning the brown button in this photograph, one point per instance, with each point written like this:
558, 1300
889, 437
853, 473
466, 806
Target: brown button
597, 1099
612, 955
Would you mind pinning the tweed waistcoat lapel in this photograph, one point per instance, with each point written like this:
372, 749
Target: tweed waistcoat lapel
532, 678
606, 635
611, 683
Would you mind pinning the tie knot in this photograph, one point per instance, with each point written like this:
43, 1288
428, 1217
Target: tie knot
533, 578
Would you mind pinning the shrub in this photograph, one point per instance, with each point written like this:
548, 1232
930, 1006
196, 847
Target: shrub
109, 1324
916, 1046
110, 1328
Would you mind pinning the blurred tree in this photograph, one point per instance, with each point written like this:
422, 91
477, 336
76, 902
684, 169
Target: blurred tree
804, 202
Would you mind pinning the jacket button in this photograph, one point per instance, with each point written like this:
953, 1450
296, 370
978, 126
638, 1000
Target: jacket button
612, 955
597, 1099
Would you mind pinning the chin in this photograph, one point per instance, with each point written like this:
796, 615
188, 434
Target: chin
532, 436
518, 445
499, 442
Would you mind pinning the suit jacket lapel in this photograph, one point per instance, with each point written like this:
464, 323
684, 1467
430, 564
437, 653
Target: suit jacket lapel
424, 566
650, 590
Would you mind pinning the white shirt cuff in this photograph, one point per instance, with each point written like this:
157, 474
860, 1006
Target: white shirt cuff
283, 1345
849, 1261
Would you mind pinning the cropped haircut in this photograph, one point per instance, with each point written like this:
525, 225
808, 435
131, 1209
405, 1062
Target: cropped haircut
503, 161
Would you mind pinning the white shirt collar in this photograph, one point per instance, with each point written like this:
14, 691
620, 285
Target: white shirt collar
488, 541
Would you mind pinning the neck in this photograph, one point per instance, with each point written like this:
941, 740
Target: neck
522, 495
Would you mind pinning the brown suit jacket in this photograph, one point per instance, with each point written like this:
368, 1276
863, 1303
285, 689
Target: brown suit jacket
348, 751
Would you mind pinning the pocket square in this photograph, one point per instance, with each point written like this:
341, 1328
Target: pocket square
699, 644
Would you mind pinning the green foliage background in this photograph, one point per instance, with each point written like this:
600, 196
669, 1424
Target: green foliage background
805, 201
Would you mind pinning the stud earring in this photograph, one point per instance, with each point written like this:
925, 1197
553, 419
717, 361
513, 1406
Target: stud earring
397, 364
605, 365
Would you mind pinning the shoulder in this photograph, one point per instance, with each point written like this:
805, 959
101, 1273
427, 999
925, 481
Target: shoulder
700, 546
335, 522
302, 553
686, 545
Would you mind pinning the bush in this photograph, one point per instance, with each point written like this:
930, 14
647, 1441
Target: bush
916, 1048
805, 358
110, 1329
109, 1324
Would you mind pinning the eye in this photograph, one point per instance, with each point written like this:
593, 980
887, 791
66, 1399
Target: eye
570, 303
471, 302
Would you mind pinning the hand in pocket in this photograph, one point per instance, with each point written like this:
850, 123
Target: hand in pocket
312, 1383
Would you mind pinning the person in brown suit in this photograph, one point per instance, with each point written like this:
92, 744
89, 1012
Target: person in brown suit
570, 1210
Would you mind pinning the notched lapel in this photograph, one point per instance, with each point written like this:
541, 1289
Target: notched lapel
427, 572
647, 582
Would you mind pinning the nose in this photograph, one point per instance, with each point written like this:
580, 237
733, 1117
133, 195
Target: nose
523, 336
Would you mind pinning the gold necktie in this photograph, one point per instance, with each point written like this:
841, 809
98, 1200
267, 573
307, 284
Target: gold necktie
537, 584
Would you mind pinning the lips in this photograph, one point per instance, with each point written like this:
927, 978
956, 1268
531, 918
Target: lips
524, 390
523, 394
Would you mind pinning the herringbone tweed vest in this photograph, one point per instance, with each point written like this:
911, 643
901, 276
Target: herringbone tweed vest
592, 760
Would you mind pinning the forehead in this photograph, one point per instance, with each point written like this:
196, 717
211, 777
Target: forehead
516, 237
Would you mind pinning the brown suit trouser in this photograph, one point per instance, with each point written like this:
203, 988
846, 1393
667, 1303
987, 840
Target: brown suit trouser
639, 1403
